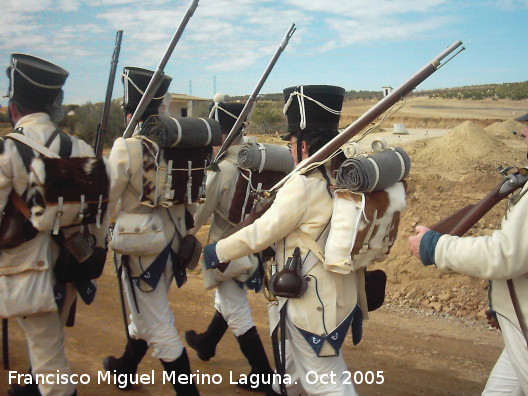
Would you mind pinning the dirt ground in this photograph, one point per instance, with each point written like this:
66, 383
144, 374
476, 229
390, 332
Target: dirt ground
430, 338
419, 354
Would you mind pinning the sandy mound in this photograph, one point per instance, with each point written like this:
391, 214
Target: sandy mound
504, 129
448, 173
467, 147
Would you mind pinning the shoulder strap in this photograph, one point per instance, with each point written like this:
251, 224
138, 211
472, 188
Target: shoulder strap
51, 138
312, 244
66, 144
33, 145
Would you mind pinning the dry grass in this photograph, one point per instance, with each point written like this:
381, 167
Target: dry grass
419, 112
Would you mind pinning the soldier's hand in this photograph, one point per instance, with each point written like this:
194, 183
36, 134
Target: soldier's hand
414, 240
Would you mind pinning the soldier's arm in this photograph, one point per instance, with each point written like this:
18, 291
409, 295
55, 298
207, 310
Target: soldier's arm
212, 198
119, 163
284, 216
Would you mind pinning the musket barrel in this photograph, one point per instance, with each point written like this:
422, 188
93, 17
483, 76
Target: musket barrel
155, 81
449, 50
383, 105
235, 130
103, 126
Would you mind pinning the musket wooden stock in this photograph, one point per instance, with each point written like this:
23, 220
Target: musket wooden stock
446, 225
461, 221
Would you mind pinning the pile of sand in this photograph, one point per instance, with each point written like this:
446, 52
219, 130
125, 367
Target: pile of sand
504, 129
467, 147
448, 173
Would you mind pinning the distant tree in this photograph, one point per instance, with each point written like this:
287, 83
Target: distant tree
83, 121
267, 118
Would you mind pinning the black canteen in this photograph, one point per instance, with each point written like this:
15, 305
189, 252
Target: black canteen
289, 281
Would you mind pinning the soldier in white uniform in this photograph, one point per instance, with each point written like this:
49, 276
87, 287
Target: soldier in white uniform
318, 321
35, 93
501, 258
231, 302
152, 321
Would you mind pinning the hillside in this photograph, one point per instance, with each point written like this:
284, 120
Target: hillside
513, 91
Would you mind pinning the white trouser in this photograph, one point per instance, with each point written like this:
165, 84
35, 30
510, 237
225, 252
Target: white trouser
510, 374
232, 302
45, 339
303, 365
155, 321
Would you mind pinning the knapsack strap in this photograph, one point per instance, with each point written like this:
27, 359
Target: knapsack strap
65, 149
31, 144
51, 138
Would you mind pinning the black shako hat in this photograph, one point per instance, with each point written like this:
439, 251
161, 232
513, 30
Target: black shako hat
312, 108
226, 114
34, 82
135, 81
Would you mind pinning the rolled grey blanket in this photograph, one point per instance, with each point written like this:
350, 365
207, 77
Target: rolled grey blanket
183, 132
374, 172
265, 157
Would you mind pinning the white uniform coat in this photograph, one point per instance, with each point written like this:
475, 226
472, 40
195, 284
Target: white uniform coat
40, 253
303, 204
155, 321
219, 192
44, 330
230, 299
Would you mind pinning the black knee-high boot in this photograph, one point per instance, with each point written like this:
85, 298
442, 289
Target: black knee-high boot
177, 367
252, 348
205, 343
135, 350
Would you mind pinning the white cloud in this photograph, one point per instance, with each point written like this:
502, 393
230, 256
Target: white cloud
228, 35
509, 5
69, 5
367, 8
382, 29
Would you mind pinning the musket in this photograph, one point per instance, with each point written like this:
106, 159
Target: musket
102, 129
366, 119
157, 77
235, 131
119, 272
383, 105
461, 221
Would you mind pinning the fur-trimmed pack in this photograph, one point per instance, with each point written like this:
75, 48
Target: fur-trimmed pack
363, 227
68, 197
173, 175
67, 191
261, 166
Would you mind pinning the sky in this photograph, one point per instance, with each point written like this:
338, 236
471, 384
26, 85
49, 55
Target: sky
227, 44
